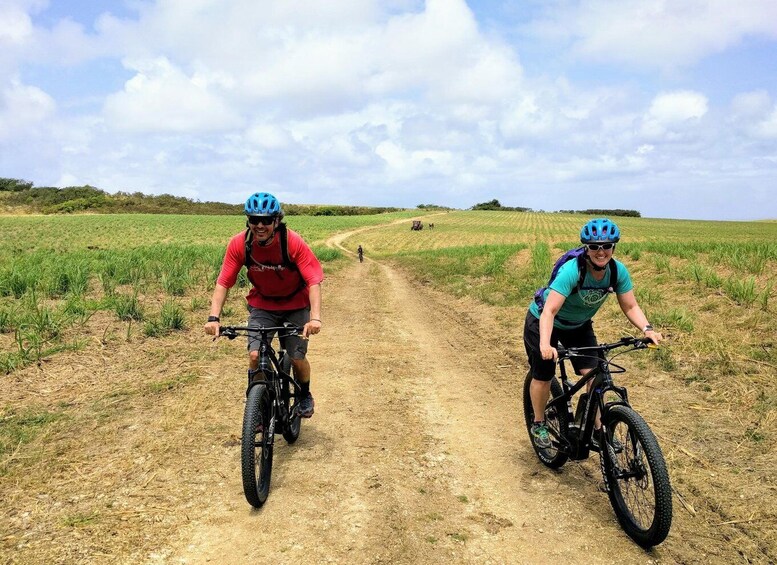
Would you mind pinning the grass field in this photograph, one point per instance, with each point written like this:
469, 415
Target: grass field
56, 271
709, 286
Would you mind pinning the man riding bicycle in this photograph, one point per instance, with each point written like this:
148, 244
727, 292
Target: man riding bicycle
286, 281
564, 310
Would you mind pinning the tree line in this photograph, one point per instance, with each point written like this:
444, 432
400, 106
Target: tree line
21, 194
496, 205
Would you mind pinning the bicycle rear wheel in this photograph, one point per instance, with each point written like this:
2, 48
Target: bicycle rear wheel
291, 433
257, 446
556, 420
636, 474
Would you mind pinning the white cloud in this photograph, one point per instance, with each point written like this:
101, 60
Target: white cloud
15, 25
269, 136
657, 33
23, 109
755, 114
161, 98
747, 105
673, 111
673, 107
767, 128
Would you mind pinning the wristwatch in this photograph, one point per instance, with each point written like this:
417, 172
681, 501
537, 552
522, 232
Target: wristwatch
647, 328
213, 319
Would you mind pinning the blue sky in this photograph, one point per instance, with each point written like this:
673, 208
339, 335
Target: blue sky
667, 107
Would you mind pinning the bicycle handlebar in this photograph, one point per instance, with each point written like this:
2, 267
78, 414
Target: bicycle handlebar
231, 332
635, 342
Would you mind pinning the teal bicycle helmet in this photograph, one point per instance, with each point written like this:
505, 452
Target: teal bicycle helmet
600, 230
263, 204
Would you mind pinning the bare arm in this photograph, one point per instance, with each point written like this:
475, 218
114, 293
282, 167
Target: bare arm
314, 325
216, 304
629, 306
553, 304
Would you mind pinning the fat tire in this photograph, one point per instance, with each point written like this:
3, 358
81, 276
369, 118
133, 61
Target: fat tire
256, 472
638, 431
558, 420
292, 429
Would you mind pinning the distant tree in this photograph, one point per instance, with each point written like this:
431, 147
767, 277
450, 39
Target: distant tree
496, 205
14, 185
490, 205
604, 212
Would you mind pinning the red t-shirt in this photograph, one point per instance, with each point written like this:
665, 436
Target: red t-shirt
273, 284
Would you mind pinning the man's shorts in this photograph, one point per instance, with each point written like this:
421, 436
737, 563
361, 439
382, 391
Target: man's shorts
294, 344
543, 370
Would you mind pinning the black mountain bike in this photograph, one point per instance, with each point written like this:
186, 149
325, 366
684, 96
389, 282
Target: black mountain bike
631, 461
271, 408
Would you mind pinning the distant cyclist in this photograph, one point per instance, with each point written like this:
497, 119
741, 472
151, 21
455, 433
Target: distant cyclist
360, 252
286, 281
564, 310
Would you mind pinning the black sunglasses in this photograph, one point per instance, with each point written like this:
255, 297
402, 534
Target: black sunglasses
264, 220
598, 246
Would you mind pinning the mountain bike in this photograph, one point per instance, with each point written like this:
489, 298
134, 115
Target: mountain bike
632, 465
271, 407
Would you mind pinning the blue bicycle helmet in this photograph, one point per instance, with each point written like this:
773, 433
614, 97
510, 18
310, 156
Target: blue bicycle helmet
600, 230
263, 204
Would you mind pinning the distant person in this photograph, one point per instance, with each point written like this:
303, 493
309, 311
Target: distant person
286, 281
360, 252
563, 312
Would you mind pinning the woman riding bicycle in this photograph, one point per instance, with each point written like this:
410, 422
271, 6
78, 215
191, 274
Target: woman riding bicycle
564, 310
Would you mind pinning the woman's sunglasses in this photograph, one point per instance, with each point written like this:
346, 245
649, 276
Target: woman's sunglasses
598, 246
264, 220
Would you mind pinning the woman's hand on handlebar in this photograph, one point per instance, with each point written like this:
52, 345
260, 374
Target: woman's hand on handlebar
654, 336
548, 353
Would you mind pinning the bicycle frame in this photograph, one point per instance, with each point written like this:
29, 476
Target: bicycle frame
270, 370
576, 442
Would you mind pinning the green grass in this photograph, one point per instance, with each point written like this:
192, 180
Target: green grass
80, 519
17, 429
171, 383
481, 270
56, 271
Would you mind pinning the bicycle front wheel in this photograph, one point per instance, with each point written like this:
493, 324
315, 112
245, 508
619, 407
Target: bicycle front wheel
636, 474
256, 446
556, 420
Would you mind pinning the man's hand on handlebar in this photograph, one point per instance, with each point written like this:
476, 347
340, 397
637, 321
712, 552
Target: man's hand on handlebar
311, 328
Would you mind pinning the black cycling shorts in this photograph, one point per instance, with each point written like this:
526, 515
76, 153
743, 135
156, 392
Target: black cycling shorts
543, 370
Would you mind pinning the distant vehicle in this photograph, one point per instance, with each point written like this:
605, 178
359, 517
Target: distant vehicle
417, 225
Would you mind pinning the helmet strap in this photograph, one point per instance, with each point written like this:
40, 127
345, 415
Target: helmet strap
267, 241
594, 266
